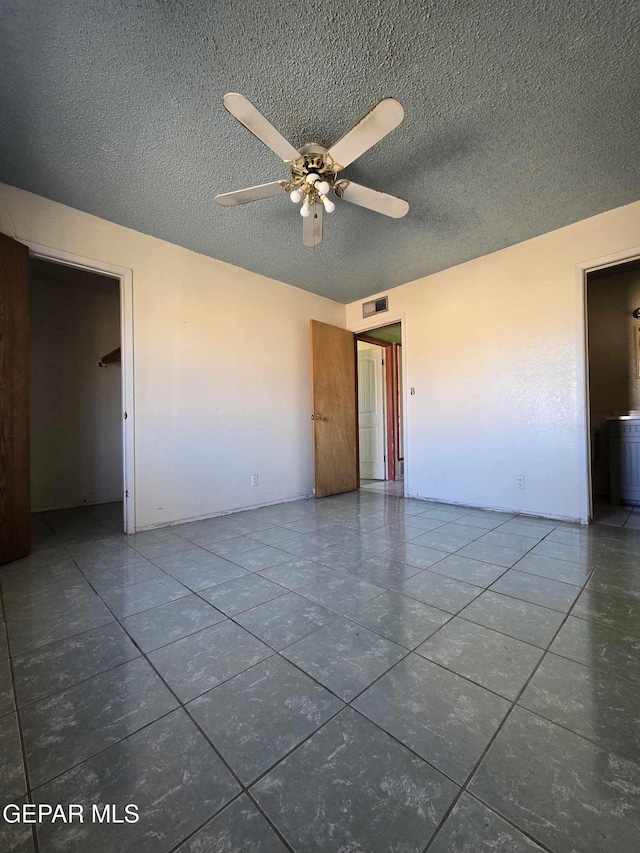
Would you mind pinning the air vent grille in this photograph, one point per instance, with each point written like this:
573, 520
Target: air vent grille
375, 306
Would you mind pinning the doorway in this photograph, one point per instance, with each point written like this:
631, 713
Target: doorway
115, 366
380, 406
613, 362
75, 391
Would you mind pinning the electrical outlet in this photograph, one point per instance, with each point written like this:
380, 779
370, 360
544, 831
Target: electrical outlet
254, 480
520, 481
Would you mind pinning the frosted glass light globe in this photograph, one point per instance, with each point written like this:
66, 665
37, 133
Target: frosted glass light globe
323, 187
296, 196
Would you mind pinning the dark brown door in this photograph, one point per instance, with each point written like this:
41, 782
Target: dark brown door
14, 400
335, 425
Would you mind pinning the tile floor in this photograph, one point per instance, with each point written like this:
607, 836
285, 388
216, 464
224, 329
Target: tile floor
360, 673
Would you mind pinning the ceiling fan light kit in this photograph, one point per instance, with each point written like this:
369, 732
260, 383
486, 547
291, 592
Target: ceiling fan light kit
314, 170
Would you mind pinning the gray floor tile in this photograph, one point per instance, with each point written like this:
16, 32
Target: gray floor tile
31, 631
398, 618
536, 590
520, 619
16, 837
584, 555
260, 715
595, 644
34, 580
168, 770
263, 557
461, 530
568, 536
444, 718
563, 790
233, 547
492, 660
447, 513
473, 828
443, 539
198, 569
65, 729
519, 527
340, 593
340, 558
169, 544
274, 536
308, 548
415, 555
197, 663
588, 701
235, 596
383, 571
7, 701
60, 665
162, 625
549, 567
352, 787
47, 600
439, 591
296, 573
12, 779
485, 521
495, 554
344, 657
470, 571
53, 557
127, 600
512, 541
104, 580
282, 621
614, 611
424, 522
113, 558
239, 828
620, 580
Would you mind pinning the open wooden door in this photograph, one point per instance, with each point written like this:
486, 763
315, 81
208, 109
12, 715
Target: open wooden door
335, 418
15, 509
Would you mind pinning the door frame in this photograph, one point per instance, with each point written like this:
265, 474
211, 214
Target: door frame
390, 400
127, 414
582, 270
367, 329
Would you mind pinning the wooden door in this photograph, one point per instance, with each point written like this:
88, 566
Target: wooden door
371, 411
335, 423
14, 400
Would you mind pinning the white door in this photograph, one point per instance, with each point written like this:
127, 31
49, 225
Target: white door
371, 411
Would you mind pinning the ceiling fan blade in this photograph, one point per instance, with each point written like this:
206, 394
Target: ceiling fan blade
312, 227
389, 205
381, 119
254, 121
251, 194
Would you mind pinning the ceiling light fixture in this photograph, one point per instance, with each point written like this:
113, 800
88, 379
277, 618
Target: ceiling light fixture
314, 169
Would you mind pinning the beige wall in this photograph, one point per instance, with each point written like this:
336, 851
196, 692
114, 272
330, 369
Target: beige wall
493, 350
221, 360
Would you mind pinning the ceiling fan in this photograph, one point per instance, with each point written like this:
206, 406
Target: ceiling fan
315, 170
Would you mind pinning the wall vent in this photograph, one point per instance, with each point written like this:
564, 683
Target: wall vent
375, 306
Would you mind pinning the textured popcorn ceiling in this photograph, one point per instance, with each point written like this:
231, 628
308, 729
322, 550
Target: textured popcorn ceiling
521, 117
